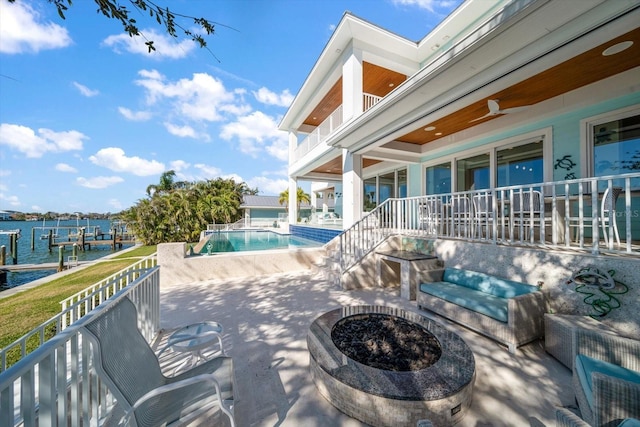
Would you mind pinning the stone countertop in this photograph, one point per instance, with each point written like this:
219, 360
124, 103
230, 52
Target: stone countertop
453, 371
406, 255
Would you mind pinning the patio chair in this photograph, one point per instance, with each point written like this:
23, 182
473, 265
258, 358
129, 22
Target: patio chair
606, 220
461, 216
483, 214
606, 377
128, 366
608, 214
566, 418
430, 216
527, 211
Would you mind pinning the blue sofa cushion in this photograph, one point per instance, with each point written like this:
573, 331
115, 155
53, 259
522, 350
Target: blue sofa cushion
630, 422
585, 366
480, 302
502, 288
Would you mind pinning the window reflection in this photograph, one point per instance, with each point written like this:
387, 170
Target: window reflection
438, 179
520, 165
616, 148
473, 173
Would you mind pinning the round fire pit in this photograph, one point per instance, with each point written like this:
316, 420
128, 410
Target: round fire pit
388, 367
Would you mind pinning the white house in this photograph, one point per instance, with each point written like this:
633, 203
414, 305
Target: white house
501, 93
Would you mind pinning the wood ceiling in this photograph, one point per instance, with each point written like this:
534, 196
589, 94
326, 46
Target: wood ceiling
579, 71
376, 80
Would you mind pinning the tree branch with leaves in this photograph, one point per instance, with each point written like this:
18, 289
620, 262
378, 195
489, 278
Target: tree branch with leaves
171, 21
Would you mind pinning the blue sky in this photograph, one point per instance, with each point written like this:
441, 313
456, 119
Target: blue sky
88, 118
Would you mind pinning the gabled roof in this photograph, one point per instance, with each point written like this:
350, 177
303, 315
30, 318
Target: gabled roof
265, 202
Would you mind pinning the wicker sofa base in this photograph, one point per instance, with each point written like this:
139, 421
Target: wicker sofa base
526, 318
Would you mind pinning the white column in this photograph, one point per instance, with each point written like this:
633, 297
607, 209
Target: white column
293, 144
293, 201
352, 97
351, 188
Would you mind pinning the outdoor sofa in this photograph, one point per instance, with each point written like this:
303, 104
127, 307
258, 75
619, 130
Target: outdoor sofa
509, 312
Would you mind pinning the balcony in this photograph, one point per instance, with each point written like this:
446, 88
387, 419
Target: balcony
328, 126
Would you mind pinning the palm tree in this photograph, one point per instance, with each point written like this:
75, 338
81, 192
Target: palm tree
301, 197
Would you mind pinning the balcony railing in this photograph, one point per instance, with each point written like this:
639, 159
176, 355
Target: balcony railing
56, 385
574, 214
326, 128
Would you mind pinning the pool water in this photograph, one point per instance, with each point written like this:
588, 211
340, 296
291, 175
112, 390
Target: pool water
254, 240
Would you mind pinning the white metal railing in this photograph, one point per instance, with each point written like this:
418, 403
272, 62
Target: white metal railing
319, 134
74, 308
241, 223
370, 100
327, 127
567, 214
55, 384
89, 298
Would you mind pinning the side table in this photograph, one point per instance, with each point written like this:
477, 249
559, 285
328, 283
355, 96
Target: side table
193, 339
558, 334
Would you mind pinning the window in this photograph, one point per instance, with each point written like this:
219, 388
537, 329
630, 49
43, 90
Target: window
402, 183
520, 165
370, 195
473, 173
616, 148
438, 179
386, 184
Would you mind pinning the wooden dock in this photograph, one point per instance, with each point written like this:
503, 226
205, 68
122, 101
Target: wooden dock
43, 266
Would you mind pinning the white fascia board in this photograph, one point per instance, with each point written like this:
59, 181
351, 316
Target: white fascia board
394, 157
329, 64
439, 89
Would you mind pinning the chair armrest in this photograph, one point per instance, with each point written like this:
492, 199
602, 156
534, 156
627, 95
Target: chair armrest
430, 276
614, 399
193, 337
526, 308
566, 418
175, 386
608, 347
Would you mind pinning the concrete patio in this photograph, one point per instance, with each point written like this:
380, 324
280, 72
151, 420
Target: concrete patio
266, 322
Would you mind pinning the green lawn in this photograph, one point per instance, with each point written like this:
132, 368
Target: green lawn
24, 311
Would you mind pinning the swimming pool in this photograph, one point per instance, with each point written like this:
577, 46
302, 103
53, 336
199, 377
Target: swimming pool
254, 240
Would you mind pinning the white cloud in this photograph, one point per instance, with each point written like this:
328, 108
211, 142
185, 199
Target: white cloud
181, 131
36, 208
63, 167
5, 172
135, 116
257, 132
208, 171
21, 30
166, 46
99, 182
115, 203
24, 140
268, 186
114, 158
85, 91
201, 98
11, 200
265, 96
429, 5
179, 165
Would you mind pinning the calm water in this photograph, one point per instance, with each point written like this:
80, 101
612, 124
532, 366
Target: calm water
41, 254
238, 241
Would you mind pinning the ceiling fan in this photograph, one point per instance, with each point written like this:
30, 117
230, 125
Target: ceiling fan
494, 110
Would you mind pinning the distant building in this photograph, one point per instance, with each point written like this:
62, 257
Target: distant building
261, 211
5, 216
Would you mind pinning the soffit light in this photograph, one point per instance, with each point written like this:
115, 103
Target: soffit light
430, 128
617, 48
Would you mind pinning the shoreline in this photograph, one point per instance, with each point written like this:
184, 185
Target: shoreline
35, 283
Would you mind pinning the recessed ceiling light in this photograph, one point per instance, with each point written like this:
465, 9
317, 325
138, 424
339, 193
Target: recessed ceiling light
314, 118
430, 128
391, 85
617, 48
438, 133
